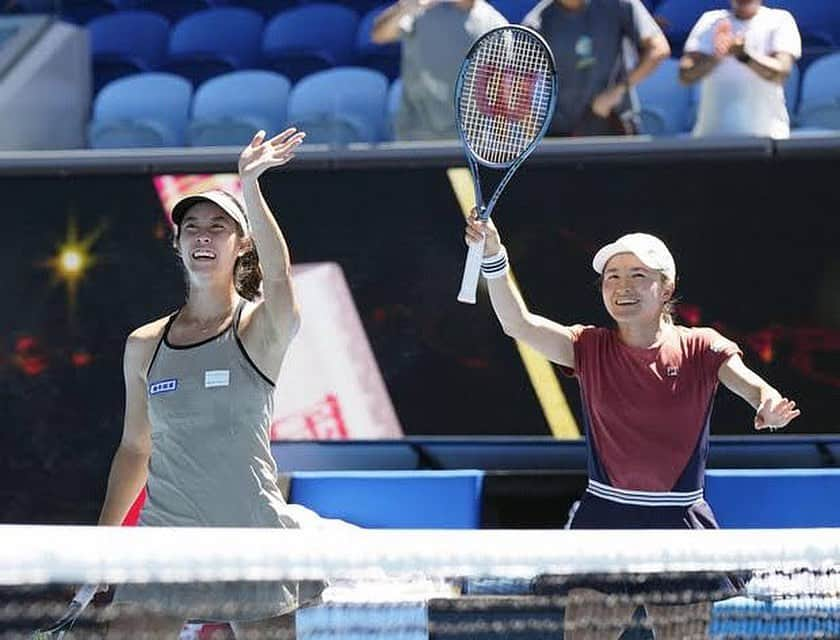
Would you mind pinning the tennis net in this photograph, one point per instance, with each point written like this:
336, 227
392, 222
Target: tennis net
418, 585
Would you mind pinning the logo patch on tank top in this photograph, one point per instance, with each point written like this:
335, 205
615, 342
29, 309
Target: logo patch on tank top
217, 378
163, 386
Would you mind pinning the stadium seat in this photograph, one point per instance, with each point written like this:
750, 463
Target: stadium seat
268, 8
792, 90
393, 499
819, 104
143, 110
391, 106
229, 109
215, 41
310, 38
341, 105
382, 57
77, 11
678, 17
665, 102
173, 10
126, 42
818, 21
513, 10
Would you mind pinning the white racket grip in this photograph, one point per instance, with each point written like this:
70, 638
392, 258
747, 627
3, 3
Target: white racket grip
85, 594
472, 271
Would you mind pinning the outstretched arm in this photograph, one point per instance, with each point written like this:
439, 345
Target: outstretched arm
551, 339
772, 410
386, 26
278, 304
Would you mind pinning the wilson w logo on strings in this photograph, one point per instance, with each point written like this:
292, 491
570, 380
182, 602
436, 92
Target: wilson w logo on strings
505, 92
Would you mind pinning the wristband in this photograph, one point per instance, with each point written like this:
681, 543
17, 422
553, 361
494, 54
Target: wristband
495, 266
743, 57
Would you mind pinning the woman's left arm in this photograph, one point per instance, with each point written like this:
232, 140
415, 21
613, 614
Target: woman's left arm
278, 302
772, 410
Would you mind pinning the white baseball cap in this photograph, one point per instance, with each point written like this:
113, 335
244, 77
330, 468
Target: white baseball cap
649, 249
224, 200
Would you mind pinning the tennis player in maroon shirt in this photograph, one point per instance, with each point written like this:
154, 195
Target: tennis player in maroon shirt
647, 387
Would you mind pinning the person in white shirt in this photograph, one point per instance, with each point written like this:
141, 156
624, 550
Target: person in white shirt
743, 56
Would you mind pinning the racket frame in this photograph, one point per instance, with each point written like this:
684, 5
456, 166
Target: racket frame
475, 251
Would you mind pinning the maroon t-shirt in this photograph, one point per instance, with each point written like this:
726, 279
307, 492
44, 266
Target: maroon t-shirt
647, 409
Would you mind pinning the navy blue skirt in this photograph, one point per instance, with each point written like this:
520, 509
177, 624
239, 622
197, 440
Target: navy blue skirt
594, 512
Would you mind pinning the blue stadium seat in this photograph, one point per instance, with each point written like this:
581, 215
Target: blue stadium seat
126, 42
215, 41
678, 17
79, 11
359, 6
818, 20
513, 10
819, 104
229, 109
310, 38
382, 57
665, 102
267, 8
143, 110
393, 499
391, 106
792, 90
341, 105
173, 10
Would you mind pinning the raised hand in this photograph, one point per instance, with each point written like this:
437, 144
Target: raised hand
262, 154
775, 413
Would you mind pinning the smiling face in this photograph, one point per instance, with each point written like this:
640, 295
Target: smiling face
633, 292
209, 242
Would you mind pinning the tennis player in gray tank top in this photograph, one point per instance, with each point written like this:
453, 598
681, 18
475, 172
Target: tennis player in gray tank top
199, 394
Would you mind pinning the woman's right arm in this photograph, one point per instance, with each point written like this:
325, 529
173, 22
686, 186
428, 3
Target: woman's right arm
551, 339
130, 465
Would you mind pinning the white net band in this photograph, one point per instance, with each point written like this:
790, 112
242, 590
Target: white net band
60, 554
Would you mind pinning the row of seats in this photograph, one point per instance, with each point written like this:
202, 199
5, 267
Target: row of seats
819, 20
301, 40
295, 43
353, 104
336, 106
813, 98
82, 11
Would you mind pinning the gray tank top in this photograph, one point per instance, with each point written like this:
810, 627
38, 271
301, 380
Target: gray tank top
210, 410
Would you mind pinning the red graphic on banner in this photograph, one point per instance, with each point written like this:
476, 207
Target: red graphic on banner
504, 92
322, 421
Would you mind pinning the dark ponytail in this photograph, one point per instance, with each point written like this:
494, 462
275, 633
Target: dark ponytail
247, 274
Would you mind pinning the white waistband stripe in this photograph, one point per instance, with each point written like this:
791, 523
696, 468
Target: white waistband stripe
645, 498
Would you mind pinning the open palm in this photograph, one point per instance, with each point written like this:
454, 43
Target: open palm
262, 154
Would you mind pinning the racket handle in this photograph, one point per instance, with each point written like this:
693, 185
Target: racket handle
472, 271
85, 594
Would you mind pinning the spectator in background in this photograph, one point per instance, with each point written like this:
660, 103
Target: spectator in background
602, 48
436, 35
743, 56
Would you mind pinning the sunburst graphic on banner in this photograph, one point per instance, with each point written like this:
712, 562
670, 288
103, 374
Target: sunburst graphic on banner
73, 259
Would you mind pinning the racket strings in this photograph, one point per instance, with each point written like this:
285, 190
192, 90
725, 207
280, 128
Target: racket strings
506, 95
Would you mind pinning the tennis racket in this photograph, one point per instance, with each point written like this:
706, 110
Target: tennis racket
57, 629
504, 102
